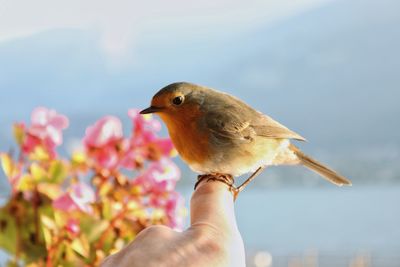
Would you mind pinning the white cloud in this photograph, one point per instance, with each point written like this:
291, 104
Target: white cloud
121, 20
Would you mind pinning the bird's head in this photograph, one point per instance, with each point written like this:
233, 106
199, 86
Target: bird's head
176, 101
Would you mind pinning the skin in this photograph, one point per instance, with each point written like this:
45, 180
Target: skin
212, 239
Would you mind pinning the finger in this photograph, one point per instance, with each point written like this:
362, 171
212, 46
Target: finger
212, 205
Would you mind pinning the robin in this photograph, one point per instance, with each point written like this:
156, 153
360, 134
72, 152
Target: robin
221, 137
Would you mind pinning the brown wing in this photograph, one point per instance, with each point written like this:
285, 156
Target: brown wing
240, 128
229, 118
266, 126
229, 125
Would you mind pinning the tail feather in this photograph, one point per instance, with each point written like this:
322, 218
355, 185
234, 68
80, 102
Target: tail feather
319, 168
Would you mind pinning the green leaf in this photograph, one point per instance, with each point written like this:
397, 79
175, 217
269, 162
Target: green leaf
19, 133
95, 230
47, 236
48, 223
25, 183
7, 164
12, 263
57, 171
50, 190
8, 231
78, 158
71, 259
81, 246
32, 238
17, 226
107, 210
38, 173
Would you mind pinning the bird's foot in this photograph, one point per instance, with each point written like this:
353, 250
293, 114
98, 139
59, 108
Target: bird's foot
223, 178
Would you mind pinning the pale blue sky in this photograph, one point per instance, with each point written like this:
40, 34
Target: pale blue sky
121, 22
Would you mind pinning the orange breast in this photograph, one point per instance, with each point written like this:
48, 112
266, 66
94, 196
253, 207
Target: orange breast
191, 143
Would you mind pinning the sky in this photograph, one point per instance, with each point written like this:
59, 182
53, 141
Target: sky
121, 22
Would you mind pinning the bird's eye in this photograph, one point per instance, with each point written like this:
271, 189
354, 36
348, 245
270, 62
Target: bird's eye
177, 100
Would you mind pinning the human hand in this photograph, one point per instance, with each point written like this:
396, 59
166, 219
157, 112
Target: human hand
212, 239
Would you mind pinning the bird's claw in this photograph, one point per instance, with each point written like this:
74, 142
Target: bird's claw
224, 178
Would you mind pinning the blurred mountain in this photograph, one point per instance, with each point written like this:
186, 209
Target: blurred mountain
331, 74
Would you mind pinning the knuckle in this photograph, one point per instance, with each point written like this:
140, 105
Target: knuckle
210, 241
157, 230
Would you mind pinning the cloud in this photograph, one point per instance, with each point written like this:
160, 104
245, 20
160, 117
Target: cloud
120, 21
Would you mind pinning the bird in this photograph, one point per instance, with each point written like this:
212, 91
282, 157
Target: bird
221, 137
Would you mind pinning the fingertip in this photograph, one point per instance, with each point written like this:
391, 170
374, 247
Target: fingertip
212, 203
213, 189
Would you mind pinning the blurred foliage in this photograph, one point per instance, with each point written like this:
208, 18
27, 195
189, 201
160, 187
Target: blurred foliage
75, 211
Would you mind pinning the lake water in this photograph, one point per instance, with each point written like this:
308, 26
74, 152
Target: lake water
337, 225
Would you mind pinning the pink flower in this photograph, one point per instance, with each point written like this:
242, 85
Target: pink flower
144, 128
78, 197
134, 158
45, 130
161, 176
158, 184
47, 125
102, 141
143, 123
166, 146
144, 142
72, 226
174, 207
103, 132
106, 158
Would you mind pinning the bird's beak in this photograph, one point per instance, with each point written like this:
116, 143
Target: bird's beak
150, 109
